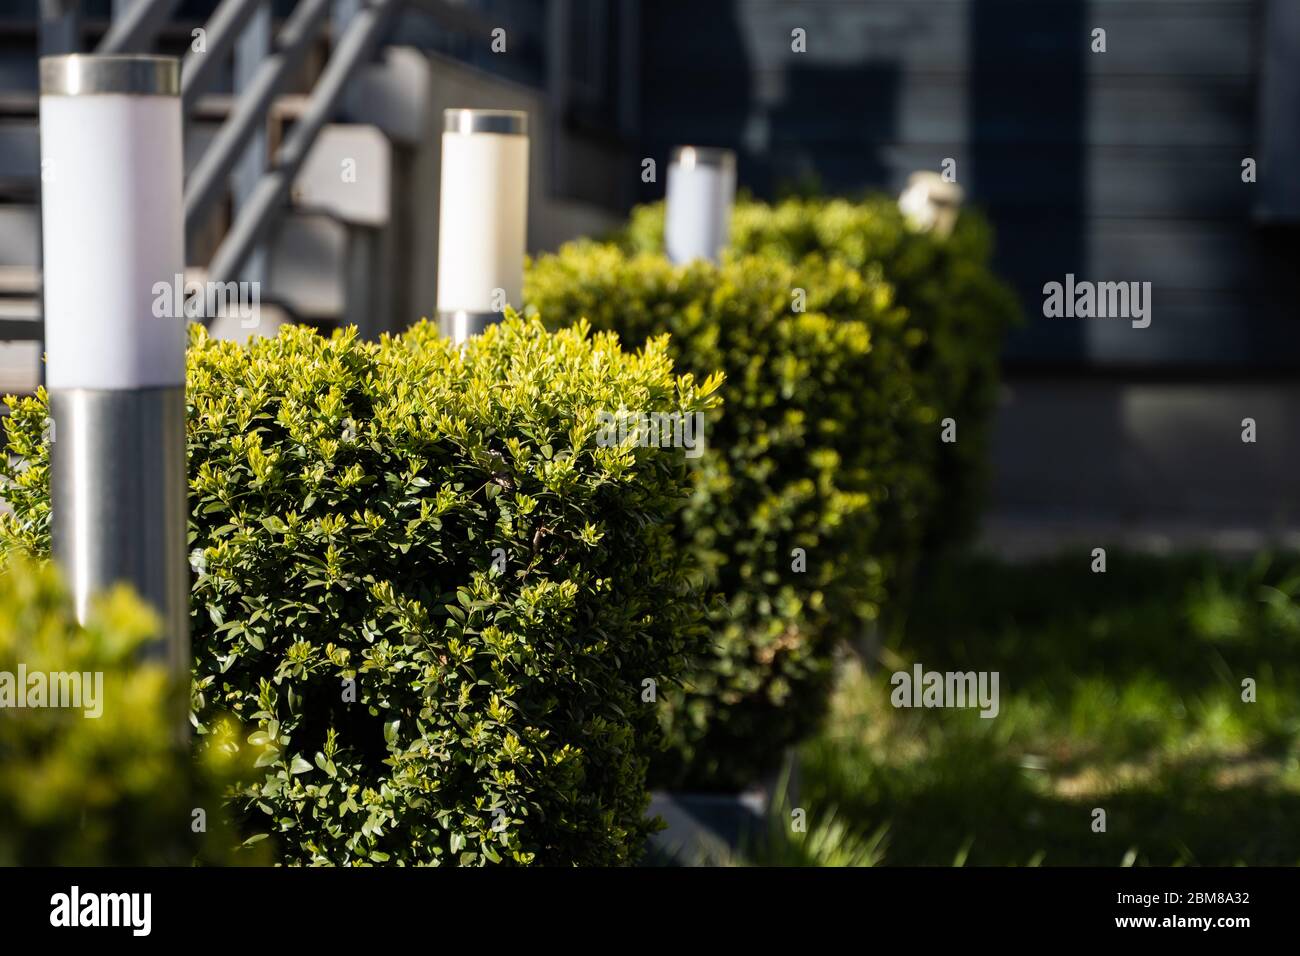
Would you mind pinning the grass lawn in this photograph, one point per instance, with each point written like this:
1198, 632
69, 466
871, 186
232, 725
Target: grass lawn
1120, 690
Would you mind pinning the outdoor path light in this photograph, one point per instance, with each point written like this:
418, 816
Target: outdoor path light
112, 223
701, 192
931, 203
483, 218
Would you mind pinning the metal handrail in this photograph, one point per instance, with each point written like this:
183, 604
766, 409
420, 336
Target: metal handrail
136, 28
208, 179
223, 29
353, 49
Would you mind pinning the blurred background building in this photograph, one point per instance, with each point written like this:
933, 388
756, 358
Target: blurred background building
1123, 165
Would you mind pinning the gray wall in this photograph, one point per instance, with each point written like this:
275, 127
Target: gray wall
1117, 166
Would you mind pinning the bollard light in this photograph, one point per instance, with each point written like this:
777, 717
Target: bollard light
483, 218
930, 203
112, 223
701, 193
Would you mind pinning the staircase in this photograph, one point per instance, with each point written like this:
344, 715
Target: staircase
312, 152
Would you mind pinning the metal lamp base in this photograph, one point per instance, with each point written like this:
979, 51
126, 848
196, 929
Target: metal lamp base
459, 325
119, 499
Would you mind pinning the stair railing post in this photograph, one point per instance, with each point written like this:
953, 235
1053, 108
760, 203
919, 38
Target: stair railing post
251, 49
60, 27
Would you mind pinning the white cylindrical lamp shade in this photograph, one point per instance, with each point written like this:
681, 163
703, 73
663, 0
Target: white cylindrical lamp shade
113, 221
482, 219
701, 193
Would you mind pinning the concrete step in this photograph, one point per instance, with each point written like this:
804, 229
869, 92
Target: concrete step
1148, 464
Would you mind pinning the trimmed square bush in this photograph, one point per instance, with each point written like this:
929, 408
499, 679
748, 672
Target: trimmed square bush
811, 497
959, 310
437, 598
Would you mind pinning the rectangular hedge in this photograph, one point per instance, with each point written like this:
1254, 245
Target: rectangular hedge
433, 597
812, 495
851, 343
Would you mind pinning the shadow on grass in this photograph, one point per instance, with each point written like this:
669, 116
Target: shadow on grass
1120, 692
969, 803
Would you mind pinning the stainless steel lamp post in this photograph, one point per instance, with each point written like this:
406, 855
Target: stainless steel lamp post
482, 219
112, 219
701, 192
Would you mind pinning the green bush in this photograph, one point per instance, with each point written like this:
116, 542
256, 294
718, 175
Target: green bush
956, 305
822, 446
433, 593
101, 779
